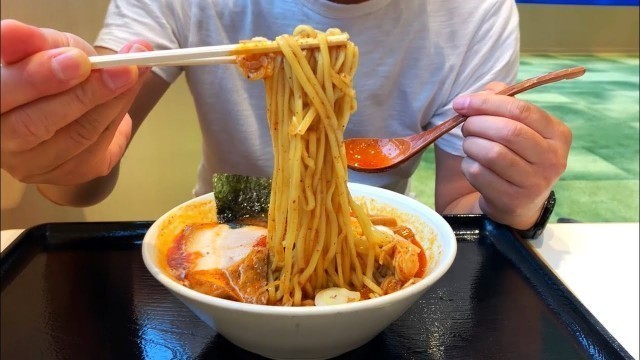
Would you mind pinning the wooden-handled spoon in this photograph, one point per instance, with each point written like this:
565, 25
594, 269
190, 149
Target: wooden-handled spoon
377, 155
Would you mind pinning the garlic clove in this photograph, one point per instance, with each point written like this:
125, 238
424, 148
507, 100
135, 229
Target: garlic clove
336, 296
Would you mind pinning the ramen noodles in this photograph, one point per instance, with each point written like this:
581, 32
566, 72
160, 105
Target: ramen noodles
318, 246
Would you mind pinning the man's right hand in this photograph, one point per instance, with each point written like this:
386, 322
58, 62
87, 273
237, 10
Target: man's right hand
62, 123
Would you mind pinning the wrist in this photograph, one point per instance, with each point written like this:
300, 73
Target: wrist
529, 219
535, 230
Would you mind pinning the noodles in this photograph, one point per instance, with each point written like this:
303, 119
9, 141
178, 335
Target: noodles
318, 237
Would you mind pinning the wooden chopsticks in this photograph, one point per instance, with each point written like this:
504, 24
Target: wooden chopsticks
206, 55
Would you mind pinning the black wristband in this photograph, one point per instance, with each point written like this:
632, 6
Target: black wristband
536, 230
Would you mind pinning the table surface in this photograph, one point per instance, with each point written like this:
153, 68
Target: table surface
598, 262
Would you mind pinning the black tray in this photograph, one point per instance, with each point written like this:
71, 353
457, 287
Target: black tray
81, 291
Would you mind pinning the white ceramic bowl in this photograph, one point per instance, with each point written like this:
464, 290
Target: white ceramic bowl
305, 332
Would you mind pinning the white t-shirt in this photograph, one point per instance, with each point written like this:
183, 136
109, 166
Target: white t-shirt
416, 56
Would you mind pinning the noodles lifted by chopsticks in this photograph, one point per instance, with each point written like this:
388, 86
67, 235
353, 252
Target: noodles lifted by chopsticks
318, 237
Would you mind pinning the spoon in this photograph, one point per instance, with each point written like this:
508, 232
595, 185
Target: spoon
377, 155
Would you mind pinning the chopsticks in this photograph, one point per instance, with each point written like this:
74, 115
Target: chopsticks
206, 55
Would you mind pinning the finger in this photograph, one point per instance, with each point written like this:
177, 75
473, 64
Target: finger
52, 155
486, 181
48, 162
508, 107
515, 136
71, 140
501, 199
18, 41
56, 39
138, 45
26, 126
45, 73
53, 71
495, 86
119, 141
128, 47
83, 133
95, 161
500, 160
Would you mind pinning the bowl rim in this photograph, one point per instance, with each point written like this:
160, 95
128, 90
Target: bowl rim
424, 212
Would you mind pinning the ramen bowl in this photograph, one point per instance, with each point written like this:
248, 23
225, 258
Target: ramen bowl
312, 332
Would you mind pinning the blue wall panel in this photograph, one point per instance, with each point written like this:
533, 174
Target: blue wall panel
583, 2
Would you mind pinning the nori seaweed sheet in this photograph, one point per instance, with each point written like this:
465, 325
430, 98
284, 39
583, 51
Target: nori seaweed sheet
239, 197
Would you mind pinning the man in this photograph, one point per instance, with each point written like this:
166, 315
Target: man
65, 127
